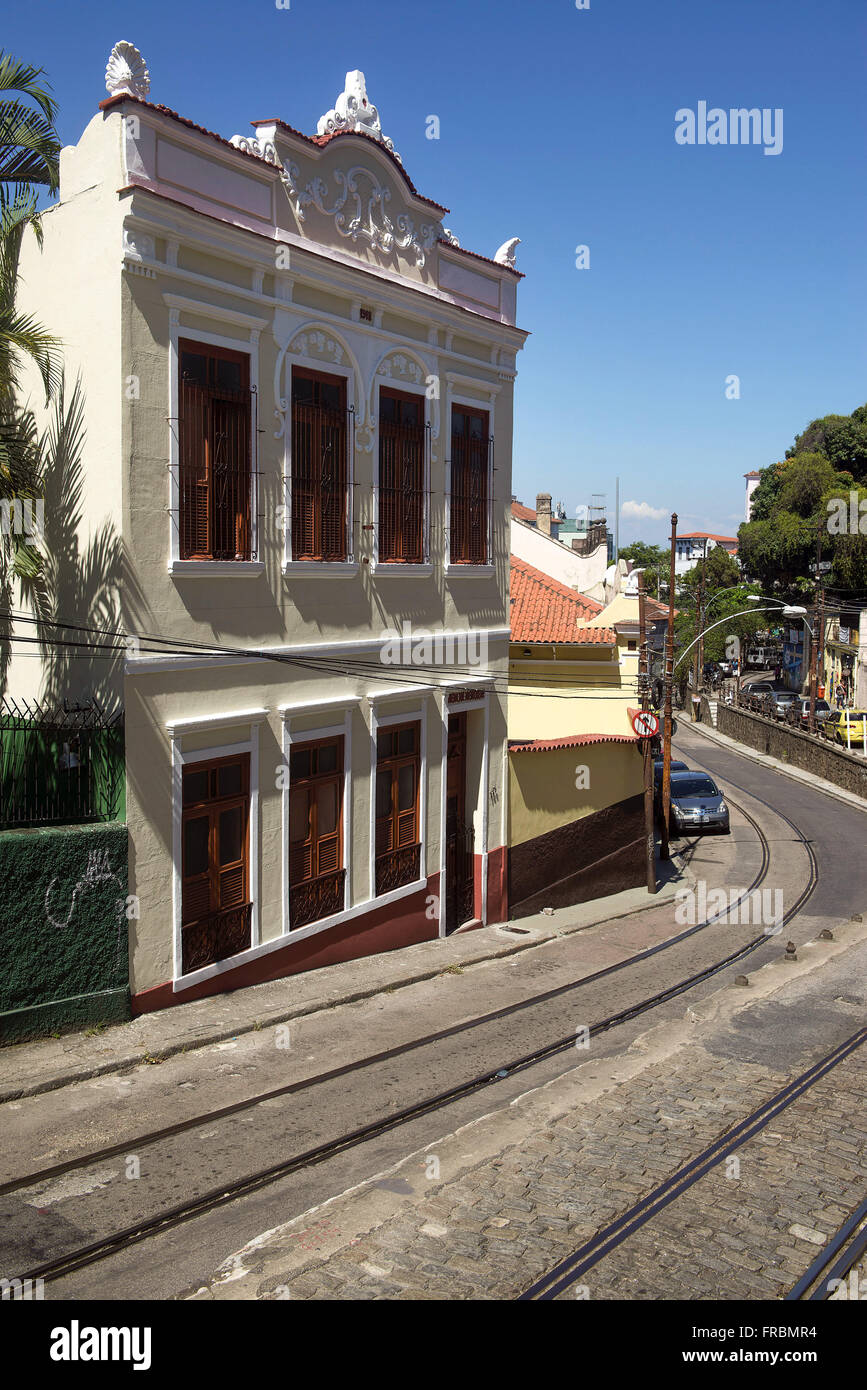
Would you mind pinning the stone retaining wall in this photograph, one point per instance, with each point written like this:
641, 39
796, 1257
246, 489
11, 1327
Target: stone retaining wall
802, 750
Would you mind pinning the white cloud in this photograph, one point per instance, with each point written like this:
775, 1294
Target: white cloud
643, 511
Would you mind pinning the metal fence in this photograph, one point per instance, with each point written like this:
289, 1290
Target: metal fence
60, 764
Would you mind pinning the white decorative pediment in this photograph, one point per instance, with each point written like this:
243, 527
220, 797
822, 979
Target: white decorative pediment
353, 111
359, 211
126, 72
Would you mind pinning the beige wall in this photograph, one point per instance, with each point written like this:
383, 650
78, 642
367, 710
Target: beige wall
586, 691
544, 792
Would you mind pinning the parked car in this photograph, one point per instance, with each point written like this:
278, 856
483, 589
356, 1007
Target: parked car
836, 724
802, 709
676, 766
725, 668
697, 803
780, 701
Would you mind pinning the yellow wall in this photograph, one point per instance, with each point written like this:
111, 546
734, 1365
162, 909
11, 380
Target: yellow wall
543, 791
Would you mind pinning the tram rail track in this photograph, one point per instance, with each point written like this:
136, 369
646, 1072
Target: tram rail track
103, 1248
814, 1285
150, 1137
592, 1252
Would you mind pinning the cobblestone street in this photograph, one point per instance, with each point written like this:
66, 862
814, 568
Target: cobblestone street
592, 1144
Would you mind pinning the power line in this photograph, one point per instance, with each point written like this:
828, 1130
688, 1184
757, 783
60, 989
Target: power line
347, 668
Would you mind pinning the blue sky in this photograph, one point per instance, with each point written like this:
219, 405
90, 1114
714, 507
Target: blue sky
557, 125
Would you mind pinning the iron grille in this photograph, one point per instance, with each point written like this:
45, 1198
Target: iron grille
459, 870
404, 451
322, 441
215, 473
216, 937
317, 898
396, 868
472, 460
59, 765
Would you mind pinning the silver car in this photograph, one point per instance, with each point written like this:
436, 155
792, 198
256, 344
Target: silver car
697, 804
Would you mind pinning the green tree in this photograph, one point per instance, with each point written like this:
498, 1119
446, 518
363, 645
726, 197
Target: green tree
29, 161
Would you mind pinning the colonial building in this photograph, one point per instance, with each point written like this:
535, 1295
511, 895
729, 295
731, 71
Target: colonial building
576, 820
298, 411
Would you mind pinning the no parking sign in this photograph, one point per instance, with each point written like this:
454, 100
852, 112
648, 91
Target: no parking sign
645, 723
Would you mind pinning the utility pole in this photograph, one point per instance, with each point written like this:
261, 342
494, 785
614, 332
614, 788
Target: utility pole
699, 631
818, 632
664, 852
644, 692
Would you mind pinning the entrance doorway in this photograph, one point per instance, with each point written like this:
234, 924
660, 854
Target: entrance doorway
459, 856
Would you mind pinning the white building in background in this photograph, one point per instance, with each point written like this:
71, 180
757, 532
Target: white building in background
752, 480
579, 560
693, 546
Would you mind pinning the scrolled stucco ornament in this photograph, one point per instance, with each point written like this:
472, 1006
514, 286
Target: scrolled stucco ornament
126, 72
506, 253
353, 111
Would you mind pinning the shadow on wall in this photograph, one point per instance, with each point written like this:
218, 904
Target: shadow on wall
87, 581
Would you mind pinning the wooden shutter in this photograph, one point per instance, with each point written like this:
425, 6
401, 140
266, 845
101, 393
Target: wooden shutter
320, 466
471, 452
215, 838
214, 461
402, 444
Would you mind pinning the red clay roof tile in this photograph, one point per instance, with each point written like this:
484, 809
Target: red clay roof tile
544, 610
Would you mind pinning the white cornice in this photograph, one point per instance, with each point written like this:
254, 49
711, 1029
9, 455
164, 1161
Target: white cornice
344, 272
172, 270
178, 727
210, 310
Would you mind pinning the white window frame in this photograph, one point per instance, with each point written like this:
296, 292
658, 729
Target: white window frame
453, 568
384, 721
211, 568
349, 566
180, 759
290, 737
386, 568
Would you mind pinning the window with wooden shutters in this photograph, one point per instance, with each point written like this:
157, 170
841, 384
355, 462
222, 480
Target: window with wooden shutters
398, 771
214, 467
316, 871
321, 440
215, 833
472, 450
402, 458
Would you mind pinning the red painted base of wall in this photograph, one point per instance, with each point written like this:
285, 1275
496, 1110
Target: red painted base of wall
403, 923
388, 928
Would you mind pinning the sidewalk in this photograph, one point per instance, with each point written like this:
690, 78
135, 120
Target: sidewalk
795, 773
26, 1069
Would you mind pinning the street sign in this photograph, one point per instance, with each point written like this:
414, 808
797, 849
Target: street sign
645, 723
822, 567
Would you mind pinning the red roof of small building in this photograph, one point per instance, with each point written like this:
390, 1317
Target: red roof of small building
544, 610
522, 513
545, 745
707, 536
